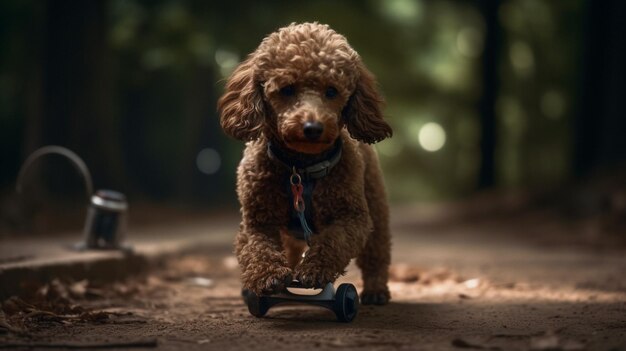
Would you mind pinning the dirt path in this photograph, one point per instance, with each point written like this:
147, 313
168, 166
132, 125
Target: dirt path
463, 286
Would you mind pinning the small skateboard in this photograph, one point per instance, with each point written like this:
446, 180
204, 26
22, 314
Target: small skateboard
344, 301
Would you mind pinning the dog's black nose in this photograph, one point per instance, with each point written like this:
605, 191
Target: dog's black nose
313, 130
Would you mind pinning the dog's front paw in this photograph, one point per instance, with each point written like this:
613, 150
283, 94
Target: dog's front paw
375, 297
311, 276
271, 282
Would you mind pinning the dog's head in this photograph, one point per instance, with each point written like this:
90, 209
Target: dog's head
301, 86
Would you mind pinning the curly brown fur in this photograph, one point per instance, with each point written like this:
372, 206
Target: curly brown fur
303, 74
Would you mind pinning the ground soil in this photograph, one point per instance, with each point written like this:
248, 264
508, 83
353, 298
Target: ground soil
499, 284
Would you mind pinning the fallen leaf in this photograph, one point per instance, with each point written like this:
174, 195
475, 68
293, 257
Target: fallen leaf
78, 289
230, 263
404, 273
200, 281
472, 283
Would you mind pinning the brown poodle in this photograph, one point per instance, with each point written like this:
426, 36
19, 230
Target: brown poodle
308, 108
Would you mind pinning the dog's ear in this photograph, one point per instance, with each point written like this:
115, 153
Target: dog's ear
241, 107
362, 114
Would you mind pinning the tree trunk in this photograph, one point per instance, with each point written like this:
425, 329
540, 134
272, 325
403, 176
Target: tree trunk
600, 126
77, 87
487, 170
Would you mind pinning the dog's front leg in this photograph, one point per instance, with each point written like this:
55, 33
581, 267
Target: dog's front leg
331, 251
264, 268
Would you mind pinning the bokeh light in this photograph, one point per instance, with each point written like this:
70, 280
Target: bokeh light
553, 104
208, 161
402, 11
522, 59
226, 60
432, 137
469, 42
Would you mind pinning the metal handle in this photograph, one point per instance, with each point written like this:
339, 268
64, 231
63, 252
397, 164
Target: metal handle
59, 150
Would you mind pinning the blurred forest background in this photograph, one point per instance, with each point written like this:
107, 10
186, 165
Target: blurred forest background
483, 94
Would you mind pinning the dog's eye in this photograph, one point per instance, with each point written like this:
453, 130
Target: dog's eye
331, 92
288, 90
